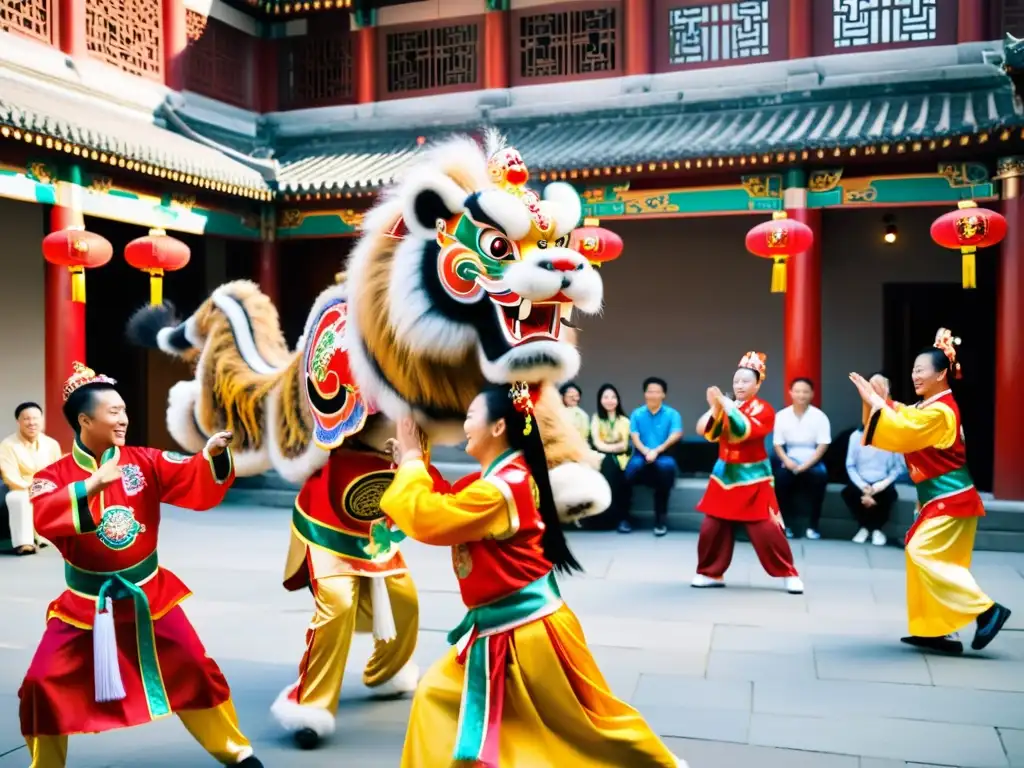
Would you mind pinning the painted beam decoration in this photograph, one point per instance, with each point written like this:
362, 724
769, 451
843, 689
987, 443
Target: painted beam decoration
38, 183
294, 223
952, 182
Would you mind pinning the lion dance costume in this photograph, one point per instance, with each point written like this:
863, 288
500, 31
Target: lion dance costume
462, 275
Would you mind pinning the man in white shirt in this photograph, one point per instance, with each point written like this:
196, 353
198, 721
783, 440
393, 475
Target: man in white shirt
22, 455
802, 435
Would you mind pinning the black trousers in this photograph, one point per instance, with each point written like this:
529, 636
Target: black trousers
801, 496
873, 518
619, 509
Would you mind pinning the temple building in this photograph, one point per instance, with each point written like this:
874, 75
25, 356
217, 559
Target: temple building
258, 133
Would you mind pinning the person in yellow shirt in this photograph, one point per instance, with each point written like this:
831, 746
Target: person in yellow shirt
22, 455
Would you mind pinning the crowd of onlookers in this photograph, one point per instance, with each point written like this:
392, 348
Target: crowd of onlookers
640, 449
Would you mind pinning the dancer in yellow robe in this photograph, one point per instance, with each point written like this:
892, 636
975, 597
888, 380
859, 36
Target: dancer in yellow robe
520, 687
942, 595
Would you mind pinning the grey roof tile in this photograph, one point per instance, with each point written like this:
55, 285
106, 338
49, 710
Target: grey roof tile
844, 117
93, 125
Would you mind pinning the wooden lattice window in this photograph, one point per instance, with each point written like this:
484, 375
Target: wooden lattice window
127, 34
868, 25
442, 58
1013, 17
31, 18
700, 33
219, 60
570, 43
317, 69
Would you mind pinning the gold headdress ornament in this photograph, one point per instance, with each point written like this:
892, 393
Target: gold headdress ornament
946, 342
82, 377
508, 170
756, 362
524, 397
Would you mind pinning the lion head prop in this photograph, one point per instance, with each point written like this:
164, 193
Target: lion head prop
462, 275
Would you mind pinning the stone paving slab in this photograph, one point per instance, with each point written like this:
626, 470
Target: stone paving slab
746, 676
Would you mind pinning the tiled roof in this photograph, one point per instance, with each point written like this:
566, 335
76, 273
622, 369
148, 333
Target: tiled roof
61, 115
836, 118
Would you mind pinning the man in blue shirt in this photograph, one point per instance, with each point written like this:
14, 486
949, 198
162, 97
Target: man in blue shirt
654, 428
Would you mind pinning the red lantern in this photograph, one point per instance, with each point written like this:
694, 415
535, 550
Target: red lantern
597, 244
156, 253
969, 228
779, 239
77, 250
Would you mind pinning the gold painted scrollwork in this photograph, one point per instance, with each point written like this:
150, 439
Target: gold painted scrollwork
42, 172
291, 218
866, 193
183, 201
101, 184
963, 174
1010, 167
824, 180
352, 218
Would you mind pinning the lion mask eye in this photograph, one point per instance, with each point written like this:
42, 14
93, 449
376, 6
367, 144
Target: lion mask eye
496, 245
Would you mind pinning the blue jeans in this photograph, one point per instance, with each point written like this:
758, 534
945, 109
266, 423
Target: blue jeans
659, 475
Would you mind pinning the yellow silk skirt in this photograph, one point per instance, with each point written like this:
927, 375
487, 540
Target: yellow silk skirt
942, 595
558, 710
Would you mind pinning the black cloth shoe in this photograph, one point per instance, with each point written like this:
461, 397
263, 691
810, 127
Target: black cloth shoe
989, 624
948, 644
250, 762
307, 738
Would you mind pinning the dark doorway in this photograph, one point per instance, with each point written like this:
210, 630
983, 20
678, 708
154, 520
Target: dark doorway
913, 313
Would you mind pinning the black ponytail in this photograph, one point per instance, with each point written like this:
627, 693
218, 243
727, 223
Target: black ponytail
500, 406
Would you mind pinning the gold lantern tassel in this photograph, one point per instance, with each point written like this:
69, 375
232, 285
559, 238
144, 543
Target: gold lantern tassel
156, 287
779, 275
77, 284
968, 267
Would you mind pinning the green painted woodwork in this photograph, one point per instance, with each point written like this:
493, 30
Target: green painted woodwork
294, 223
953, 182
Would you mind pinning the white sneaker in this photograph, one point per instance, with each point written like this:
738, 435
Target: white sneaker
861, 536
812, 534
700, 581
878, 538
680, 763
794, 585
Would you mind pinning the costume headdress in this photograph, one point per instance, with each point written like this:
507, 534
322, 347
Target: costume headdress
83, 376
946, 342
524, 397
508, 170
756, 362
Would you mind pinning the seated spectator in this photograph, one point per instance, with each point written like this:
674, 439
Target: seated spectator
654, 428
609, 433
870, 493
571, 400
802, 436
22, 455
881, 384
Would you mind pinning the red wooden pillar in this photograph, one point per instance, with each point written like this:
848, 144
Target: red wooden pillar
265, 75
268, 267
1008, 479
801, 29
496, 50
64, 321
71, 24
639, 37
802, 321
175, 41
365, 55
971, 21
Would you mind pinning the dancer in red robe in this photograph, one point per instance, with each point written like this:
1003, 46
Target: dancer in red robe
741, 489
118, 650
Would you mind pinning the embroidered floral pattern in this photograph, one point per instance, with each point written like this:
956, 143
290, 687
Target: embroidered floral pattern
132, 479
118, 527
39, 487
175, 458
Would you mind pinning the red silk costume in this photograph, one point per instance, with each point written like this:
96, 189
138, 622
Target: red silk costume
742, 490
116, 531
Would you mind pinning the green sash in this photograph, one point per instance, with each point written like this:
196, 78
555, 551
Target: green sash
119, 585
943, 485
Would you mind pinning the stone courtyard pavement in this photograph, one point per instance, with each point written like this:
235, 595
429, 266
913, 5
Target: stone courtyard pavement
747, 676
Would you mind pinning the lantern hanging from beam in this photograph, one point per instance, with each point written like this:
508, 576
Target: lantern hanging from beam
596, 244
969, 228
156, 253
78, 250
779, 239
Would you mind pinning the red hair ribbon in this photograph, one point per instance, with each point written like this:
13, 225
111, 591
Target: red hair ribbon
946, 342
524, 397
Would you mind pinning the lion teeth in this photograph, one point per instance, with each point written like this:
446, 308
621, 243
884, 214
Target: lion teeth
525, 308
517, 330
